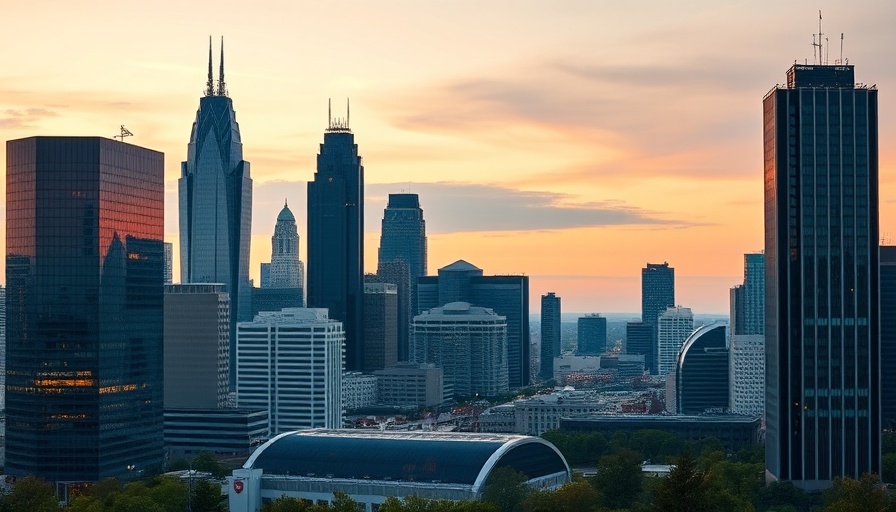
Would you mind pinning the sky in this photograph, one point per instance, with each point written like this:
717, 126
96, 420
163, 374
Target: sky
571, 141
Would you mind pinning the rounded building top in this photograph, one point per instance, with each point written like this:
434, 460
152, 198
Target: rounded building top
286, 214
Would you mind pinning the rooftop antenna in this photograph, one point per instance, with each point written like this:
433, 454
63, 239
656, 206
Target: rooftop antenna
124, 133
348, 113
820, 45
210, 85
841, 48
222, 87
329, 112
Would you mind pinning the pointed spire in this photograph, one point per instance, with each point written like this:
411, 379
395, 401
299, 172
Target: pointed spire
329, 112
348, 113
222, 86
210, 85
285, 203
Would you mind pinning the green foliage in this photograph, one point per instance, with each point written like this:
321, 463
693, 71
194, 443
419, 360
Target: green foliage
207, 497
572, 497
781, 497
888, 468
506, 488
32, 494
866, 494
619, 478
579, 448
656, 445
417, 504
686, 489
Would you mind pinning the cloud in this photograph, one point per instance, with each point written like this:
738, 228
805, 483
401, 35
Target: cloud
12, 118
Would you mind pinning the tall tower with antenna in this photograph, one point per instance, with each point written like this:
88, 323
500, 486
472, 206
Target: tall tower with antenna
215, 201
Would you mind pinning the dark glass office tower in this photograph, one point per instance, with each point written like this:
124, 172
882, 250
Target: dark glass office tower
821, 250
550, 334
657, 294
591, 335
888, 335
84, 269
336, 236
403, 238
215, 192
701, 379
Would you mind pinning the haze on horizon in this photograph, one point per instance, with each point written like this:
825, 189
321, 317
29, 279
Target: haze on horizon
573, 142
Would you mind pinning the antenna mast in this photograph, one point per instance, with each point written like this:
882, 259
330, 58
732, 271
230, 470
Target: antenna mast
124, 133
820, 44
841, 48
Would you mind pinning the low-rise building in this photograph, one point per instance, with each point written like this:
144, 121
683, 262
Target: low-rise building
359, 390
410, 384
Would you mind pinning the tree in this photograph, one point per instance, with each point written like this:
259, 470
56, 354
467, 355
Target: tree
781, 496
888, 469
207, 497
506, 488
619, 478
31, 494
285, 504
572, 497
866, 494
685, 489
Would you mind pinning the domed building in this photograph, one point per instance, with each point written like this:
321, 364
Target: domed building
370, 466
286, 269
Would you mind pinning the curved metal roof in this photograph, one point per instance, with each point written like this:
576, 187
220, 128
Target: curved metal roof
448, 458
286, 215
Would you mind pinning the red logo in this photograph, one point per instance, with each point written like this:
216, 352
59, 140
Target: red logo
238, 486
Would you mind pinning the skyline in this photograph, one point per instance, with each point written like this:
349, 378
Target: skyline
577, 151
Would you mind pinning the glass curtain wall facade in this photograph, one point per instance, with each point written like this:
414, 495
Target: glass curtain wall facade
821, 247
215, 193
84, 269
550, 334
657, 294
591, 335
336, 237
701, 376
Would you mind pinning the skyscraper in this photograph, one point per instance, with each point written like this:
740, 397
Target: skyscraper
888, 335
215, 192
287, 270
591, 335
380, 326
657, 294
675, 325
550, 334
398, 273
821, 249
336, 236
748, 299
701, 372
84, 269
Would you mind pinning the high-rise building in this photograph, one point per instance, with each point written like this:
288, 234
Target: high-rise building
507, 295
215, 192
287, 270
701, 372
403, 234
675, 325
591, 335
84, 270
468, 343
290, 363
746, 374
2, 346
336, 236
197, 346
888, 335
657, 294
169, 262
380, 326
265, 275
639, 341
822, 328
398, 273
748, 299
550, 334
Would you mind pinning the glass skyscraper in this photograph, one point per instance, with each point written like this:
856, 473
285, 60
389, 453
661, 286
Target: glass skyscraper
821, 249
84, 269
336, 236
550, 334
657, 294
215, 192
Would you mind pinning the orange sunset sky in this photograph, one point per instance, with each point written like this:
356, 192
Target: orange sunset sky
573, 141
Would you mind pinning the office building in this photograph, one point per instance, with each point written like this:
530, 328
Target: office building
701, 375
370, 466
265, 275
550, 334
189, 432
591, 334
286, 270
639, 341
336, 236
748, 299
410, 384
84, 271
169, 262
657, 294
197, 346
674, 326
403, 235
275, 299
359, 390
822, 329
507, 295
398, 273
2, 347
468, 343
290, 363
746, 374
215, 191
380, 326
888, 335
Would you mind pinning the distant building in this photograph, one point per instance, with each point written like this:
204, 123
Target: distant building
84, 275
219, 431
370, 466
639, 340
398, 273
380, 326
359, 390
286, 270
265, 275
701, 376
747, 374
469, 343
169, 262
290, 363
591, 335
275, 299
748, 299
550, 334
2, 347
888, 335
540, 413
657, 294
675, 325
197, 346
419, 385
507, 295
336, 236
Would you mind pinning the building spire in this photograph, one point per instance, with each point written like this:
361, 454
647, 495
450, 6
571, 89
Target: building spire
222, 86
210, 85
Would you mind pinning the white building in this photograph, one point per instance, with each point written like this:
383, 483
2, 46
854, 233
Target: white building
410, 384
290, 362
535, 415
747, 375
469, 343
359, 390
674, 326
